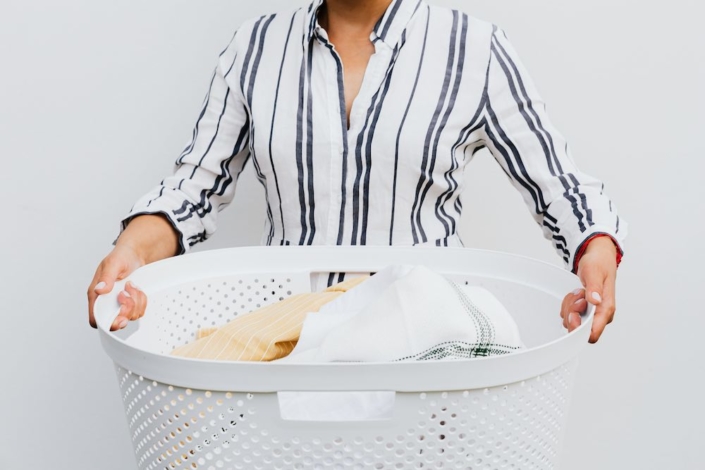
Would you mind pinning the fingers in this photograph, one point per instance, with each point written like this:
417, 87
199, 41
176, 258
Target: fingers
127, 305
103, 281
133, 303
92, 295
600, 288
120, 263
598, 272
139, 298
573, 304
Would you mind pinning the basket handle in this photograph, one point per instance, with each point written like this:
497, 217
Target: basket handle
338, 406
107, 307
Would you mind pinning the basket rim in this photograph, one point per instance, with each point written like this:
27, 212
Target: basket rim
461, 374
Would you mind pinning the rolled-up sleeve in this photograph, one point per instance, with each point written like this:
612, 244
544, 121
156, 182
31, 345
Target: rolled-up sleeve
206, 172
569, 205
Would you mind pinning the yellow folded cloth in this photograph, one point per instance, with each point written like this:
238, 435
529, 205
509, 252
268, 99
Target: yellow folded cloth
265, 334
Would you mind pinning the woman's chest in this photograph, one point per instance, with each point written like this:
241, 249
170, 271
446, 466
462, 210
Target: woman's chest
412, 111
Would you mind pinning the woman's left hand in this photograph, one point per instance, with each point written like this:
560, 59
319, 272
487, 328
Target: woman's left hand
597, 271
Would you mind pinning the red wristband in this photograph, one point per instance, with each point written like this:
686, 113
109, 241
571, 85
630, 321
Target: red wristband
584, 245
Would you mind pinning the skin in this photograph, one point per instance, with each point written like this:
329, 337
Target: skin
348, 23
597, 271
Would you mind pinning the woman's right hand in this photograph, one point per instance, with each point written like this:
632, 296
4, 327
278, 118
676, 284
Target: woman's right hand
119, 264
146, 239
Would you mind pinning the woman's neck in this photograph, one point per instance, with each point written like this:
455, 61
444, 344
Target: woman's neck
352, 18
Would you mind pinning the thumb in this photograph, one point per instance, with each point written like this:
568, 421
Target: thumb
111, 272
594, 286
103, 283
593, 293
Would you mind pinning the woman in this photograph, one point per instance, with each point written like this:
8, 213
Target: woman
359, 117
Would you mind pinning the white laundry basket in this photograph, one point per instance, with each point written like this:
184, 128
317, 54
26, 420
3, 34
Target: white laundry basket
502, 412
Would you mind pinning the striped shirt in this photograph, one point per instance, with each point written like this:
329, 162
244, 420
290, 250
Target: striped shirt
440, 86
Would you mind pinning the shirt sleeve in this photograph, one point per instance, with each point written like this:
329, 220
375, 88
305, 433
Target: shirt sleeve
570, 206
206, 172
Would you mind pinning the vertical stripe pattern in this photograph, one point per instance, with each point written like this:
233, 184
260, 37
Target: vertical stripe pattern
440, 87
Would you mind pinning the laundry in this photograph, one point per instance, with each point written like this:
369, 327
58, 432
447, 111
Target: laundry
407, 313
402, 313
265, 334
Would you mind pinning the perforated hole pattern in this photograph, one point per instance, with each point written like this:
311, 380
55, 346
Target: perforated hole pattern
181, 311
514, 426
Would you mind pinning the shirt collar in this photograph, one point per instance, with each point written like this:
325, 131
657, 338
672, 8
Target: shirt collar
389, 28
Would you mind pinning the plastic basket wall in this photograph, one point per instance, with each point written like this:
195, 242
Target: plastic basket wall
513, 424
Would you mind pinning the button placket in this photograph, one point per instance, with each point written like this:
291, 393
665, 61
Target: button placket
336, 136
371, 83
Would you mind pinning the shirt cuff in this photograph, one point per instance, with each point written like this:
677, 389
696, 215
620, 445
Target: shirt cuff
123, 224
186, 223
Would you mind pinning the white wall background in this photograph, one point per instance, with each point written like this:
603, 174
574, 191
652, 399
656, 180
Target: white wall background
98, 97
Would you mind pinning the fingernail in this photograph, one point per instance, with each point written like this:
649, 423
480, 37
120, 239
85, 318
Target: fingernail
577, 291
126, 294
571, 318
596, 296
100, 285
578, 301
123, 323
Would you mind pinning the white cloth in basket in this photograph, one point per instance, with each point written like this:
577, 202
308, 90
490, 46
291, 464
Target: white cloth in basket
399, 314
407, 314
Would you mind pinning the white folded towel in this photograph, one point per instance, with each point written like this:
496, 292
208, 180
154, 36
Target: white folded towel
407, 314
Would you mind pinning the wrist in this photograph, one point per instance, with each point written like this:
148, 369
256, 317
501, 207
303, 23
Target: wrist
149, 238
598, 242
129, 248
